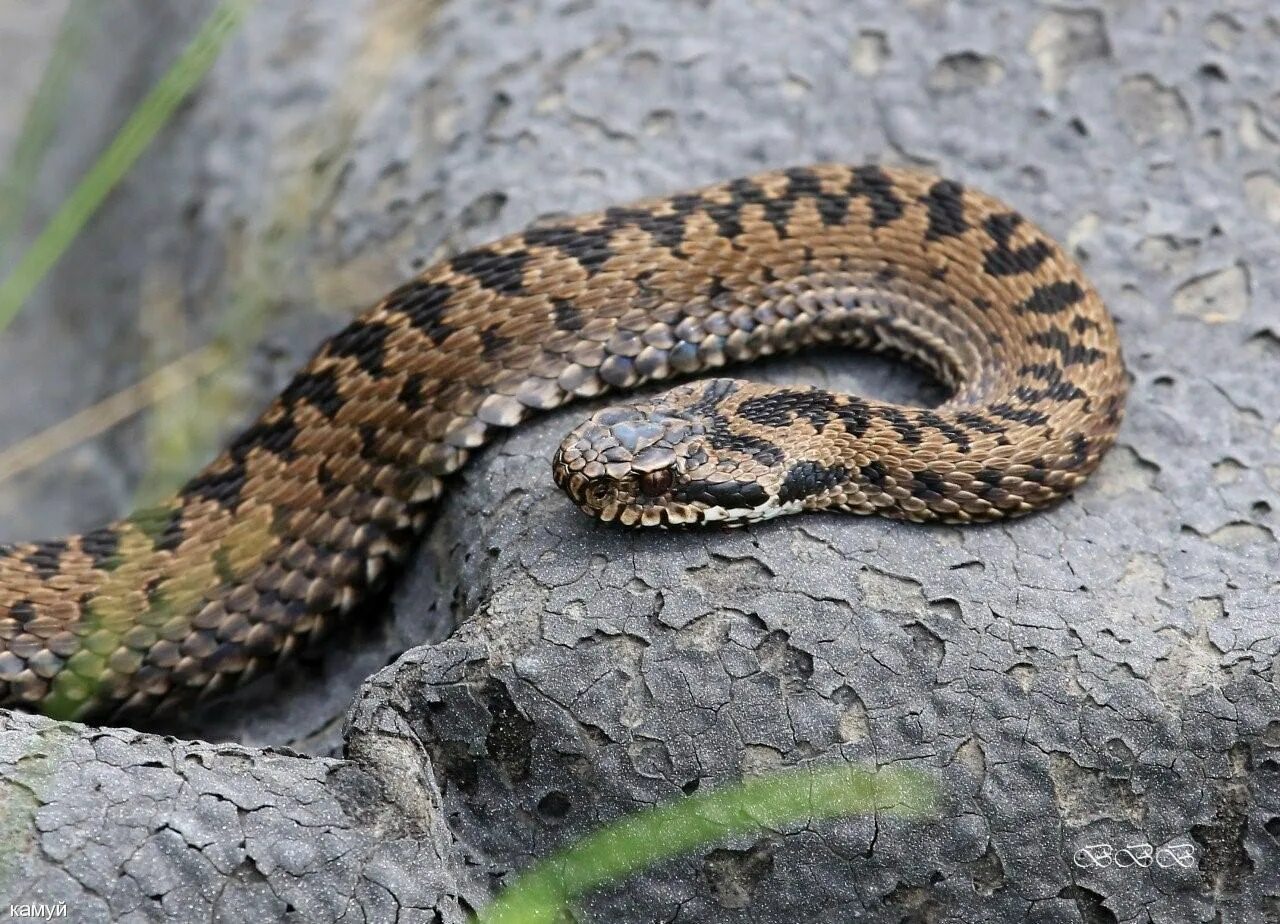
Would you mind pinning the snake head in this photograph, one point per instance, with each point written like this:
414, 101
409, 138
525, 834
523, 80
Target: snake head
657, 463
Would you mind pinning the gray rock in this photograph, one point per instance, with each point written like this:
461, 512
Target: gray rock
1104, 673
112, 824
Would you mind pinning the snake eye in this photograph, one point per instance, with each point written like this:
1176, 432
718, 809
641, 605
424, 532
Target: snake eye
655, 484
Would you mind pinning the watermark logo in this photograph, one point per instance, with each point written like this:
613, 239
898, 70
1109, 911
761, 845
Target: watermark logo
1174, 855
37, 911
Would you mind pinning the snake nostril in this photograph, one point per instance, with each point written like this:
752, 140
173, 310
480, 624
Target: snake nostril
597, 492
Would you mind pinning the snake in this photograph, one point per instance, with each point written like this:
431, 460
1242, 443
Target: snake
307, 514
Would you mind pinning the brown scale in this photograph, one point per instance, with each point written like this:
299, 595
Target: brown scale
303, 517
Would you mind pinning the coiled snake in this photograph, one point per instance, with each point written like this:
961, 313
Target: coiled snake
297, 521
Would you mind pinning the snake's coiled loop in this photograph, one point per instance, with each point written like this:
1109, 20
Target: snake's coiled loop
297, 521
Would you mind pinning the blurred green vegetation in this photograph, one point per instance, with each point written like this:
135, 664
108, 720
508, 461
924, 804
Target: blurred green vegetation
133, 138
546, 892
42, 116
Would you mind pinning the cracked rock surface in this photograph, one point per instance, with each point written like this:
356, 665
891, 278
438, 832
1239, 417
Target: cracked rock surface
1102, 673
117, 825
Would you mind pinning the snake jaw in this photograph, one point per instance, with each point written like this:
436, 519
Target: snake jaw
635, 499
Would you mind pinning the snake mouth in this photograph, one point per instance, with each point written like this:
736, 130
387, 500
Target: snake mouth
628, 500
631, 499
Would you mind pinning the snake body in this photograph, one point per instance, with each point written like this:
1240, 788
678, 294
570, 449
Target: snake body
299, 519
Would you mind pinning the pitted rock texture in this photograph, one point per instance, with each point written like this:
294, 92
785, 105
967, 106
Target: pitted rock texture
1103, 673
115, 825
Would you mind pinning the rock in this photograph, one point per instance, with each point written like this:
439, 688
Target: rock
1089, 680
115, 825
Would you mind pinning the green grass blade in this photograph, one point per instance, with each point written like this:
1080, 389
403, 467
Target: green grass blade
42, 116
543, 894
129, 143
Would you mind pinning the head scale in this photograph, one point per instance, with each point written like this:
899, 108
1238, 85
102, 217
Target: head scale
659, 463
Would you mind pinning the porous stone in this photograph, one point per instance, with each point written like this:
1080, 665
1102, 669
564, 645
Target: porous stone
1100, 674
